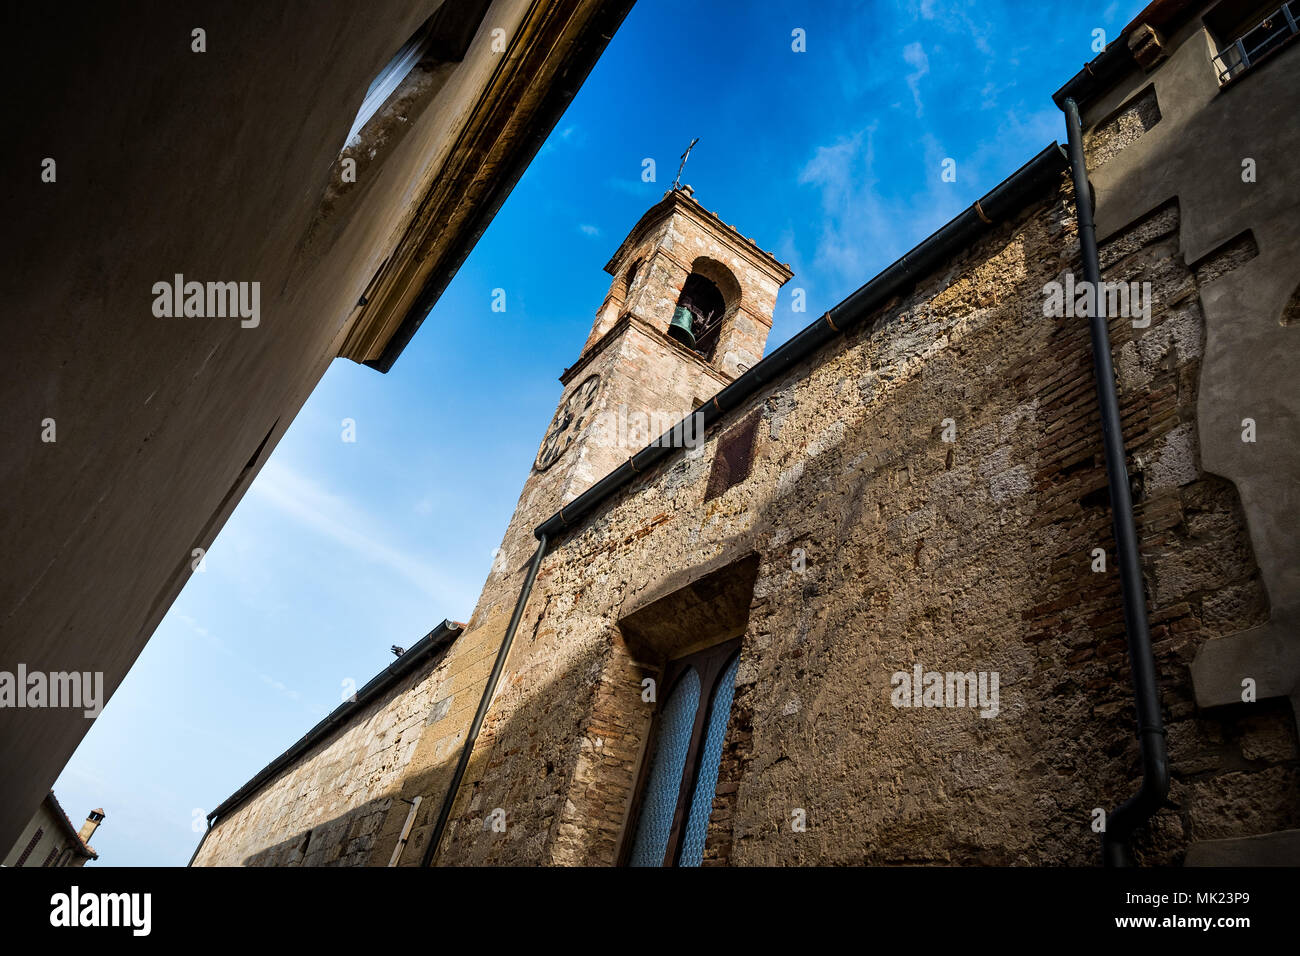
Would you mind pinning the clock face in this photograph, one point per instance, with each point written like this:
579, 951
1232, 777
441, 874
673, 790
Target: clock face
571, 418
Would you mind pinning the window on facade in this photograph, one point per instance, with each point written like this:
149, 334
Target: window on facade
36, 838
686, 751
390, 77
1245, 34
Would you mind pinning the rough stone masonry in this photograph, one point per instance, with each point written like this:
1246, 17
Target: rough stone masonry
927, 490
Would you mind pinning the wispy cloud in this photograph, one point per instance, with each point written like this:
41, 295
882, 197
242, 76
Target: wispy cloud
954, 16
334, 517
866, 220
589, 230
203, 633
853, 215
914, 56
569, 135
279, 686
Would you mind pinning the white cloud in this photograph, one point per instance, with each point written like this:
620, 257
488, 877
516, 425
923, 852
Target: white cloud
570, 134
955, 17
852, 216
334, 517
864, 225
914, 55
589, 230
280, 687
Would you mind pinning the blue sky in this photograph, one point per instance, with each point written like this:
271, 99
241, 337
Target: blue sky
830, 158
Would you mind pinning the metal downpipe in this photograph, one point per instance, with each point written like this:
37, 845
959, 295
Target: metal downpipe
1134, 812
468, 748
202, 840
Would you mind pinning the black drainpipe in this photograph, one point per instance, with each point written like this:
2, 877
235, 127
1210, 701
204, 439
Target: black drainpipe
1134, 812
468, 747
202, 840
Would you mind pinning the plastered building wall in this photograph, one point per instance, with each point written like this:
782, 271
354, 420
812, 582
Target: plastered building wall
1225, 156
45, 841
226, 165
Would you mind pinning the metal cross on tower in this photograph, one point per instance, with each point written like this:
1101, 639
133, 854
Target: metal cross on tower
677, 183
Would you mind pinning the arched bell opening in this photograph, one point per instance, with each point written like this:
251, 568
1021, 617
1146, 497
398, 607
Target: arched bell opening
697, 319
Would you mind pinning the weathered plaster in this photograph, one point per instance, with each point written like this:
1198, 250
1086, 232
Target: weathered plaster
1194, 154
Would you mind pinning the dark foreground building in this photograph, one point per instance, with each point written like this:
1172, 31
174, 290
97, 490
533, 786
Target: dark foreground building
205, 205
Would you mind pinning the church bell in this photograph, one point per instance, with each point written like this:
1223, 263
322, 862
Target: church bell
680, 327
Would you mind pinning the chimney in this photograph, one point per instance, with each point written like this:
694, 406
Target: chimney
92, 823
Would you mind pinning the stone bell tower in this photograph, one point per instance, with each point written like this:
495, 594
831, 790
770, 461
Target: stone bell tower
689, 309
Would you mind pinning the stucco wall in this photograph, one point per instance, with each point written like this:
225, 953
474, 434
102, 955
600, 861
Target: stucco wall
1196, 154
220, 166
54, 837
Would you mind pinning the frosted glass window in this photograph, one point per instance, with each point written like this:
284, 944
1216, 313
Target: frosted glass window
665, 783
706, 782
390, 77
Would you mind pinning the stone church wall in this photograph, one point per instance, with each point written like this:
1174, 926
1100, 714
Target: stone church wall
327, 808
881, 546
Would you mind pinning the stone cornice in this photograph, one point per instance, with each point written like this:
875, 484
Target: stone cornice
550, 53
677, 200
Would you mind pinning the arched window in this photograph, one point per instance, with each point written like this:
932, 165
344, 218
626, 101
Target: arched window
659, 803
698, 317
677, 798
709, 298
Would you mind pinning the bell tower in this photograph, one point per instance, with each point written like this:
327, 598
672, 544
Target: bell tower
686, 273
689, 309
